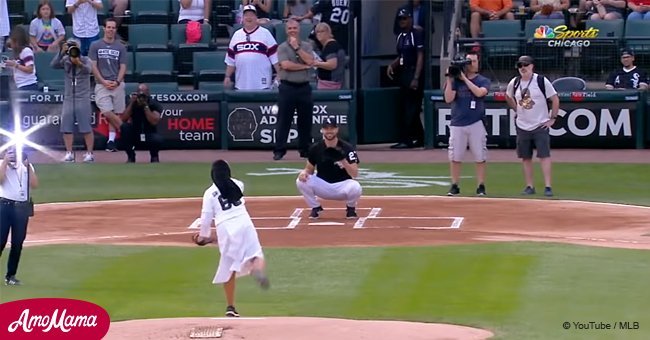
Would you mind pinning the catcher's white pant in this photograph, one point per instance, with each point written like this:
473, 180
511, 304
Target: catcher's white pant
348, 191
238, 245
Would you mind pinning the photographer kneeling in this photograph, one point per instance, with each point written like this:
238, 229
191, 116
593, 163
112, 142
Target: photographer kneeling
139, 127
465, 90
76, 102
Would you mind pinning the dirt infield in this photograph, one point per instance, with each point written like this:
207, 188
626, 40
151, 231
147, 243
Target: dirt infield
385, 220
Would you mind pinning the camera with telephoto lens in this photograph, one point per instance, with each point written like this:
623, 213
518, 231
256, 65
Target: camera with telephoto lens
72, 49
457, 66
141, 96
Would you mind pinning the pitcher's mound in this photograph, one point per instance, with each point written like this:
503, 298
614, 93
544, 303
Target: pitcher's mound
286, 328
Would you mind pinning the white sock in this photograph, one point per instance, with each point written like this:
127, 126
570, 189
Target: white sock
111, 136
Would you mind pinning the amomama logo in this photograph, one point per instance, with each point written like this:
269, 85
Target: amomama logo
53, 318
544, 32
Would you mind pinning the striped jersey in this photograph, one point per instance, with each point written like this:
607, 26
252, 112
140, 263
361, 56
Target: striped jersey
253, 55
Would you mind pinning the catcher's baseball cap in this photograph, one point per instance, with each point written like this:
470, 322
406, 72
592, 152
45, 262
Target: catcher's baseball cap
249, 8
329, 122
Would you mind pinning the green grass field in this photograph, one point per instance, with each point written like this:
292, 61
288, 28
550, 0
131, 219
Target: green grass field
519, 290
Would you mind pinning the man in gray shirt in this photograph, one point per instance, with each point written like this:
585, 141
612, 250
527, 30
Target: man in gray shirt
108, 56
296, 60
76, 103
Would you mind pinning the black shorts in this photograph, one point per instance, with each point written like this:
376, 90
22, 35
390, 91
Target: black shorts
540, 139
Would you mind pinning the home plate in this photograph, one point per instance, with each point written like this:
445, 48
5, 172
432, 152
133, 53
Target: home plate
325, 223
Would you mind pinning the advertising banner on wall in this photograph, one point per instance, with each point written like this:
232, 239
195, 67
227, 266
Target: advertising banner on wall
252, 125
581, 125
188, 120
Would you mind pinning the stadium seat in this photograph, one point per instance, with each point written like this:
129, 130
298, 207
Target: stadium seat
150, 11
44, 72
185, 51
637, 37
208, 67
129, 76
148, 37
164, 87
509, 30
154, 67
568, 84
211, 86
598, 56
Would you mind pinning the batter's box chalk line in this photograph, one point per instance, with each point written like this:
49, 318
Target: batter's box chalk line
296, 218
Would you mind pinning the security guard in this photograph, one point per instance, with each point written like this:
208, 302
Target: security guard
409, 64
16, 180
296, 60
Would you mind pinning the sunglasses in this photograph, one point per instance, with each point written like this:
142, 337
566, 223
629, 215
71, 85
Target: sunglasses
520, 64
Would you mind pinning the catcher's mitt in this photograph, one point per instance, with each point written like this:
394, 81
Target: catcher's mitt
333, 154
202, 242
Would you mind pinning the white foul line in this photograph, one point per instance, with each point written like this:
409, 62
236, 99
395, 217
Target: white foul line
362, 220
295, 218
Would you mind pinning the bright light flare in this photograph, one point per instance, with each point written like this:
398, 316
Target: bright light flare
20, 138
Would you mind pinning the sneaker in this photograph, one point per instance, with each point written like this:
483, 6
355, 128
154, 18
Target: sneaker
528, 191
548, 192
89, 157
155, 159
315, 212
231, 312
278, 156
69, 157
110, 146
454, 190
261, 279
350, 212
480, 191
12, 281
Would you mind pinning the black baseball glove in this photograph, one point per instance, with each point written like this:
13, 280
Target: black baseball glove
333, 154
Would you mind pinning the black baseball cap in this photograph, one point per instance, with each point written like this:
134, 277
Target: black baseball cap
404, 13
329, 122
625, 52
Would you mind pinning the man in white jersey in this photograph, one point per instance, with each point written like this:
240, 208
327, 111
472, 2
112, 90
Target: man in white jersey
252, 53
241, 252
17, 178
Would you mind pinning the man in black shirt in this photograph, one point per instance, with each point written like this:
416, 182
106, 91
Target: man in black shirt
139, 128
629, 76
337, 163
409, 65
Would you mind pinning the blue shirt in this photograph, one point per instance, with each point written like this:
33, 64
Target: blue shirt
461, 112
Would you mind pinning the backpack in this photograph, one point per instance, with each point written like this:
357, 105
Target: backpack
540, 84
193, 32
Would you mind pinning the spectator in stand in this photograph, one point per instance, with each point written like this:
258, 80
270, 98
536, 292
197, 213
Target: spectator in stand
549, 9
338, 14
46, 31
605, 9
488, 10
23, 60
119, 13
629, 76
263, 8
330, 65
194, 10
4, 24
297, 9
640, 9
85, 26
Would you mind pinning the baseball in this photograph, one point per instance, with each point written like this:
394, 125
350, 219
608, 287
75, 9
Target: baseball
274, 109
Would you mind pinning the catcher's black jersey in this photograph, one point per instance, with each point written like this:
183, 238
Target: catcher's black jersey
338, 14
631, 79
323, 159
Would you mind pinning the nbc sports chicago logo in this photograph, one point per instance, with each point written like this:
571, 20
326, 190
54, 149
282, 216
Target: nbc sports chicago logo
562, 36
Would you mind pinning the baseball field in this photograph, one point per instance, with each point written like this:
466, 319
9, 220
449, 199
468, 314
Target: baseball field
518, 267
